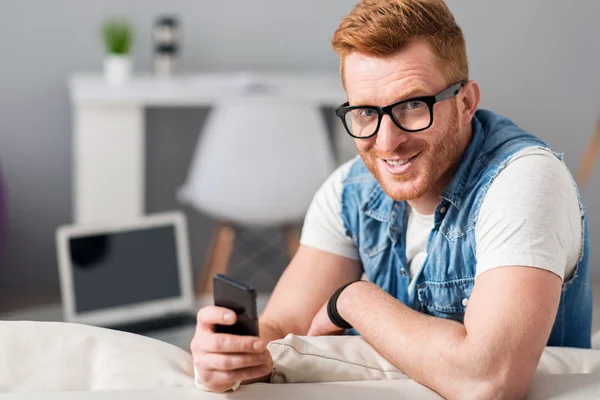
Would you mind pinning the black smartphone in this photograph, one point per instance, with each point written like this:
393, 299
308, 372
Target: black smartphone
239, 298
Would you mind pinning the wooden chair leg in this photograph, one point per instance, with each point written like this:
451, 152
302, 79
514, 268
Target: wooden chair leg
293, 240
217, 259
587, 163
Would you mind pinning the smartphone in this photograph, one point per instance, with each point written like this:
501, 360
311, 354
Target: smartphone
239, 298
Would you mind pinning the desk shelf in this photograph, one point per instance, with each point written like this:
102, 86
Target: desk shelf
109, 127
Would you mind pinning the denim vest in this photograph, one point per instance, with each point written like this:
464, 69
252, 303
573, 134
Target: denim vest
377, 226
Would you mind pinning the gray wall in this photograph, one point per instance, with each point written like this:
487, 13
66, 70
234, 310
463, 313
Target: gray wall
538, 62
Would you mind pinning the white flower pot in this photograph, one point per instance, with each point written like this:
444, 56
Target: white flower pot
117, 69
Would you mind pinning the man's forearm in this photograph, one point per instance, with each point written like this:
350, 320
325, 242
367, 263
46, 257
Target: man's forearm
269, 331
433, 351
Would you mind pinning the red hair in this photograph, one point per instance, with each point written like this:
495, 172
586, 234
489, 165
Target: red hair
383, 27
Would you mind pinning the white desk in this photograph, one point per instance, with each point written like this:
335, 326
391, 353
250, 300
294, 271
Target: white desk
108, 128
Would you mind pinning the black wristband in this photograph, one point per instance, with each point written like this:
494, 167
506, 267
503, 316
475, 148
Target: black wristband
332, 311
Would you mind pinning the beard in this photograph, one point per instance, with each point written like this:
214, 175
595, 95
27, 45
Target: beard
435, 161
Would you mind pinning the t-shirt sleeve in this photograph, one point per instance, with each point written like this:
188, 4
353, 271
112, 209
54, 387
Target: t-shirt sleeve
323, 226
530, 216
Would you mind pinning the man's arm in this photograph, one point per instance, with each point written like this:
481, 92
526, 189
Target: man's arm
223, 360
495, 353
310, 279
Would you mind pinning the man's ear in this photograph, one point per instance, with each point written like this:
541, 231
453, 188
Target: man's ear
468, 102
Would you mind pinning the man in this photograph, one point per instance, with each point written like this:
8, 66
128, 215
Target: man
469, 230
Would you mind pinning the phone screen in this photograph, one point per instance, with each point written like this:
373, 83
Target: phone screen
239, 298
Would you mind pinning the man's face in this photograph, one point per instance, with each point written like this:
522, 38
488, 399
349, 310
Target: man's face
408, 165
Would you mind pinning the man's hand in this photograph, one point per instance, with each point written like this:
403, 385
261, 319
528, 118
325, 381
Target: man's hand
223, 359
321, 325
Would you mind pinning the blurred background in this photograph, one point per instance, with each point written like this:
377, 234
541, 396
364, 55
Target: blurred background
538, 63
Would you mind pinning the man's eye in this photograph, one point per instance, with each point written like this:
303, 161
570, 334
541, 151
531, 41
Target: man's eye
414, 105
366, 113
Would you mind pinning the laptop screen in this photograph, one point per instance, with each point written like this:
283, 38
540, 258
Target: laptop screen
124, 268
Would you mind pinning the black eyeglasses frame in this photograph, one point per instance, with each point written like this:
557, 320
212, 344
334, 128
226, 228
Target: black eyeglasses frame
445, 94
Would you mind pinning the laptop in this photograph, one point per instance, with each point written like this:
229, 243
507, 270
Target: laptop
134, 276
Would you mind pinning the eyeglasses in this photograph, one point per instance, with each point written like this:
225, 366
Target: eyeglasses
410, 115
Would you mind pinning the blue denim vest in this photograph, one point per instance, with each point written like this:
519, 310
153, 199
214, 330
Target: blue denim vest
377, 226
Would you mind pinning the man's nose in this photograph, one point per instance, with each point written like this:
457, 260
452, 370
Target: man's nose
390, 136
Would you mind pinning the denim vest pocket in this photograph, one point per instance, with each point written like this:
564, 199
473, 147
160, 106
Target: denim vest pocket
446, 299
374, 254
373, 258
375, 238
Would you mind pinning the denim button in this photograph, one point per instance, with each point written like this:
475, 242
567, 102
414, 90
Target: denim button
465, 302
443, 209
403, 272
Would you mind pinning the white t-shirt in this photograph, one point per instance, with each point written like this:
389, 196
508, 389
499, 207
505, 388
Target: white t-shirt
530, 216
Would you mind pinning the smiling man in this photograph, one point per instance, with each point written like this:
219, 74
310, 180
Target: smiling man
469, 230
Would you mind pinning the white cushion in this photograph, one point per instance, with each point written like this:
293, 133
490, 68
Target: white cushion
346, 358
57, 356
565, 360
46, 357
596, 339
329, 359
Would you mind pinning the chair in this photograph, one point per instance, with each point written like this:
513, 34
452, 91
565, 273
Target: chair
258, 163
587, 163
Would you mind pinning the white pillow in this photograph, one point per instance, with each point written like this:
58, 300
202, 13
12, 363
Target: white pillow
328, 359
57, 356
350, 358
567, 360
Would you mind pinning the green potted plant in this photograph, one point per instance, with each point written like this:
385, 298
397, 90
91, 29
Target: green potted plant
118, 40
